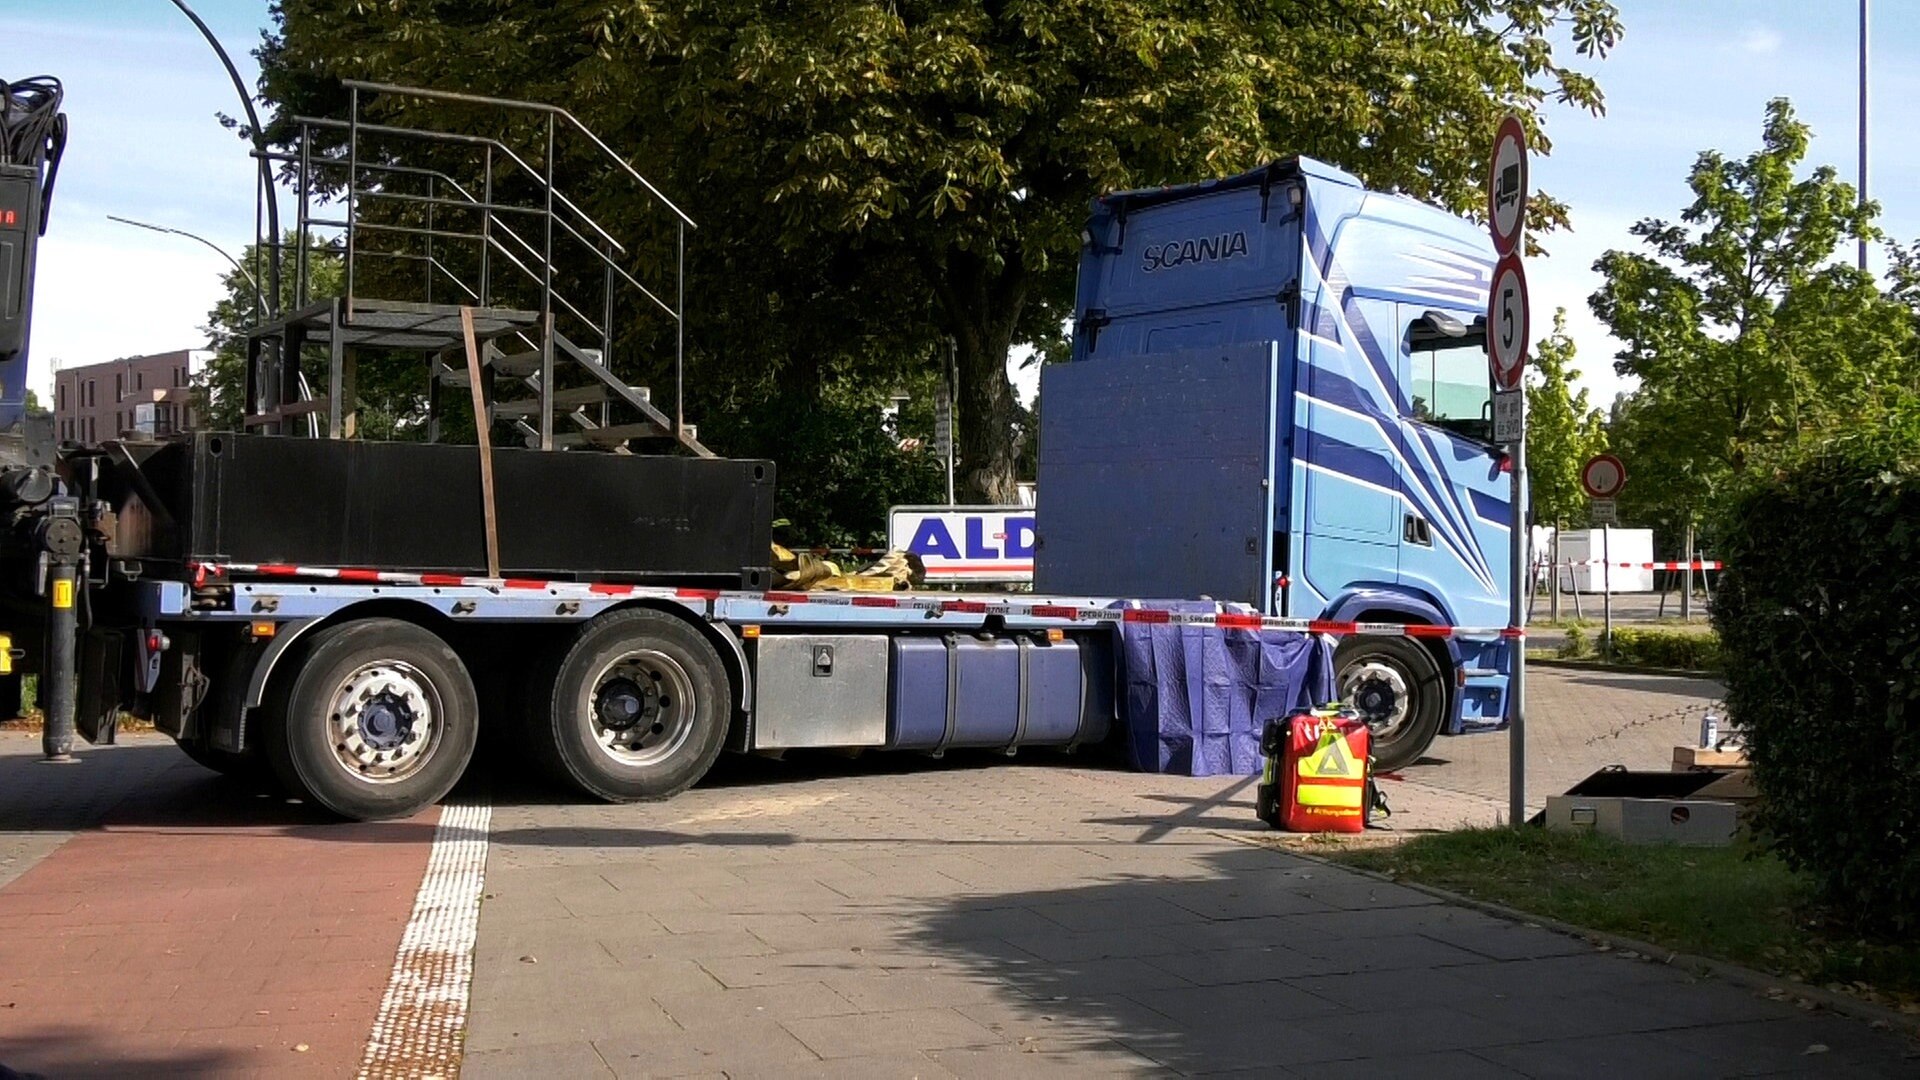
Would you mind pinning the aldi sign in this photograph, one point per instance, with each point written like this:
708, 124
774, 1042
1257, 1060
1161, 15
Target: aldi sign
966, 543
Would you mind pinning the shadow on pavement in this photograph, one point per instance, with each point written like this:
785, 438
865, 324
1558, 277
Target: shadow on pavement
1251, 959
507, 780
1702, 687
1198, 970
152, 785
62, 1053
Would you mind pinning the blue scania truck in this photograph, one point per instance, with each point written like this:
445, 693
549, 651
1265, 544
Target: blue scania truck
1276, 413
1279, 397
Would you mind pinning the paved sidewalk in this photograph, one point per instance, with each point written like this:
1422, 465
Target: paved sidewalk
938, 920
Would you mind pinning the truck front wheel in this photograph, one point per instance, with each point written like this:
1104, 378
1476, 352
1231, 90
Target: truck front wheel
1397, 687
378, 720
636, 708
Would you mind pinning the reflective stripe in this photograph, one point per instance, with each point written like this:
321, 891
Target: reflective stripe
1322, 793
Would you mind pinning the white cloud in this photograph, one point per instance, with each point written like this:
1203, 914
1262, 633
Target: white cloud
102, 295
1761, 40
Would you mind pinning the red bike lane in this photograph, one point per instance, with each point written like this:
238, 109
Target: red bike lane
199, 929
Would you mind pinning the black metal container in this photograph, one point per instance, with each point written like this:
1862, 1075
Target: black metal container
417, 507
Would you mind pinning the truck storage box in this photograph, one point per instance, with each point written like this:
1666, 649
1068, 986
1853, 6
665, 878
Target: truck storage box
417, 506
820, 690
965, 691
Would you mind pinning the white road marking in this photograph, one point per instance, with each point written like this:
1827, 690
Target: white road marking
423, 1017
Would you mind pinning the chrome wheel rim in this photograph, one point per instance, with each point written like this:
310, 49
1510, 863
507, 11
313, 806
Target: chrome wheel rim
385, 721
1380, 693
639, 707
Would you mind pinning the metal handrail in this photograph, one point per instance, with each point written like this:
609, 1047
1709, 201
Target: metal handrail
525, 106
478, 140
466, 140
470, 202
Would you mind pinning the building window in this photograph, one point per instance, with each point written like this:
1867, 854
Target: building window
119, 386
86, 399
139, 380
60, 397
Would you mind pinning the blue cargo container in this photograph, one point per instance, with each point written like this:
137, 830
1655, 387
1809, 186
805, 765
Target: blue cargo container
1280, 396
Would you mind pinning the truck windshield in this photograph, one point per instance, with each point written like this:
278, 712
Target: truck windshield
1451, 385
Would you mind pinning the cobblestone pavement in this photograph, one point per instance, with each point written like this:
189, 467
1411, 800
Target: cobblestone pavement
964, 918
886, 916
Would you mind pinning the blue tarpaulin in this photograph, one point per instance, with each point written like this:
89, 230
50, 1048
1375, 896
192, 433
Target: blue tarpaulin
1197, 697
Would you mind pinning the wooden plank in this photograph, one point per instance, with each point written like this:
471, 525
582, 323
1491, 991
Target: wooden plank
486, 442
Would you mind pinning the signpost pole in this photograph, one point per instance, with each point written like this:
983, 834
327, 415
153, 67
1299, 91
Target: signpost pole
1553, 575
1517, 746
943, 420
1606, 591
1508, 336
1686, 590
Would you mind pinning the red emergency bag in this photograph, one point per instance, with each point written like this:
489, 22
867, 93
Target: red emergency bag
1316, 773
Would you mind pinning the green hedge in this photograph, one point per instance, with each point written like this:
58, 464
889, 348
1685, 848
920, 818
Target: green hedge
1819, 622
1666, 648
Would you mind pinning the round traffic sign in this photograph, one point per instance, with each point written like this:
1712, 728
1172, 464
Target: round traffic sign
1603, 476
1507, 185
1507, 328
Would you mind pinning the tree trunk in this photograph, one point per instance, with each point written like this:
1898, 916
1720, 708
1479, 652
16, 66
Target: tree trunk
981, 306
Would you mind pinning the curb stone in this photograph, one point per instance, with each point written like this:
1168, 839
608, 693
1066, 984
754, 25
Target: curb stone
1623, 669
1770, 986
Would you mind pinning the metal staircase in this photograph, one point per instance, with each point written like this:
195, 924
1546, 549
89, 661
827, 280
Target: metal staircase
434, 223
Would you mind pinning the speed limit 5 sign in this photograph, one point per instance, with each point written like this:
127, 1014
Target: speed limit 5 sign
1507, 328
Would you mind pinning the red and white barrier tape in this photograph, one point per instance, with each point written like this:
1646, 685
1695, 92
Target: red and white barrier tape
1704, 565
781, 602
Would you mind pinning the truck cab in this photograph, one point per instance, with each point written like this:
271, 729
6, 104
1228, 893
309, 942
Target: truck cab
1279, 396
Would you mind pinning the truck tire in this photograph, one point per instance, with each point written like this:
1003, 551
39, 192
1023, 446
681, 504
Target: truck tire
1397, 687
378, 720
636, 708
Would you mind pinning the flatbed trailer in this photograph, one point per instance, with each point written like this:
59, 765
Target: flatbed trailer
674, 675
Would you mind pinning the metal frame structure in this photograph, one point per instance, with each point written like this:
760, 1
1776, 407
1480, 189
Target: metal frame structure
502, 250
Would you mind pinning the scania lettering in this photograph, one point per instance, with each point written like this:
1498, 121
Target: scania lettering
1182, 252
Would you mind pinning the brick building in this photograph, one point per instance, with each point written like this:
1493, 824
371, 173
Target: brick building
148, 396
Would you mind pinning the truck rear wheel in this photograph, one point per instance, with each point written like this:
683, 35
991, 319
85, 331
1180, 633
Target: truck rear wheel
637, 707
378, 720
1397, 687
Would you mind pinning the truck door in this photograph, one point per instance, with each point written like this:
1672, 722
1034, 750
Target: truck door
1347, 456
1455, 497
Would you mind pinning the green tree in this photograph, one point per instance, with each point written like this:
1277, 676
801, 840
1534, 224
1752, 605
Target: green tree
1563, 430
873, 177
221, 386
390, 399
1743, 330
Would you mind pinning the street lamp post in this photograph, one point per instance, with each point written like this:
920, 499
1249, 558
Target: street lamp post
271, 303
1863, 122
259, 298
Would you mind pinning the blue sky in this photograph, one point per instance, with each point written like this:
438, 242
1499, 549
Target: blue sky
143, 90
